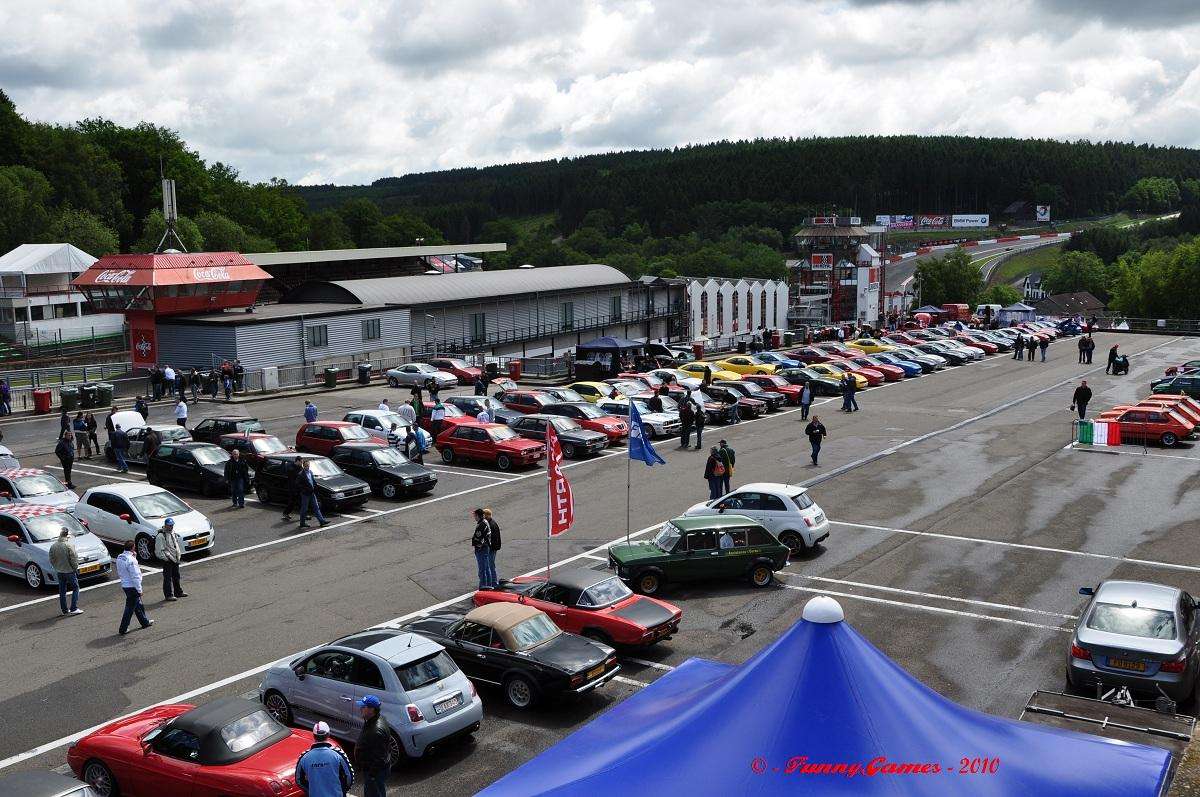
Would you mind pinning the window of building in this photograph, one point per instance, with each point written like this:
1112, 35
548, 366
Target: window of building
734, 305
614, 305
37, 312
371, 329
720, 313
478, 327
568, 315
763, 315
318, 336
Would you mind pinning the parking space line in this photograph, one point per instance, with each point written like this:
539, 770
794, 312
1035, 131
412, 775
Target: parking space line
1023, 545
356, 517
630, 681
597, 558
644, 663
373, 511
469, 473
933, 595
78, 469
1110, 450
924, 608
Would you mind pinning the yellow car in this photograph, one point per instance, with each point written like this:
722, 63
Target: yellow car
698, 368
870, 346
745, 364
594, 391
835, 372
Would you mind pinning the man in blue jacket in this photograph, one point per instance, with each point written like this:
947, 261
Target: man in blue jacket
324, 770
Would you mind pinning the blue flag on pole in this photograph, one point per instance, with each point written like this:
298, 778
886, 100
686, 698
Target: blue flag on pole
639, 441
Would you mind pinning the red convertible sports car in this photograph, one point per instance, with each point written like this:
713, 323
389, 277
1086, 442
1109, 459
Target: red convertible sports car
229, 746
591, 603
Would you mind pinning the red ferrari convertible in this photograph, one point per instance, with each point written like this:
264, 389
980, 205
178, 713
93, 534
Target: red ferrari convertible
591, 603
228, 746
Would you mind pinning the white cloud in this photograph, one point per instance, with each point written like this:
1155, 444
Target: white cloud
328, 92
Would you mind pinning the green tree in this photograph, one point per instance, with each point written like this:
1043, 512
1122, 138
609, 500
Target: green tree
950, 279
221, 234
1003, 295
1159, 284
24, 196
1076, 271
364, 220
153, 227
1152, 195
84, 230
500, 231
328, 231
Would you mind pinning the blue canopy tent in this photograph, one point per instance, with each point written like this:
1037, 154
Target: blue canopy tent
816, 712
601, 358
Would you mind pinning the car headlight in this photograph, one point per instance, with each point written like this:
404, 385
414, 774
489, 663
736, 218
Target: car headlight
338, 496
407, 482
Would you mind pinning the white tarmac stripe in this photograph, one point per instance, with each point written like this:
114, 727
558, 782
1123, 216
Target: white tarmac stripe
1022, 545
597, 558
629, 681
1111, 450
923, 608
654, 664
469, 473
232, 679
117, 476
932, 596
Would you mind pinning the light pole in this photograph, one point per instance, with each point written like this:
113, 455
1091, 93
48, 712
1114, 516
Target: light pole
433, 321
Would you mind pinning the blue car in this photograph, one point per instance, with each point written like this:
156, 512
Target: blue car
778, 360
909, 367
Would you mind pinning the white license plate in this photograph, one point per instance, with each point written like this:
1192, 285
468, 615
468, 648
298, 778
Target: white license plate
196, 543
447, 704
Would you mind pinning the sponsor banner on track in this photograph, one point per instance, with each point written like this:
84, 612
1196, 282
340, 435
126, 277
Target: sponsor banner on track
969, 220
1043, 213
927, 220
901, 223
883, 221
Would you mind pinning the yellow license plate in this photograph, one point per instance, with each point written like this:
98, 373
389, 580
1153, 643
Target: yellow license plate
88, 569
1126, 664
197, 542
592, 673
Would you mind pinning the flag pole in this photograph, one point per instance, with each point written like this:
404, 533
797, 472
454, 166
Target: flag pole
628, 479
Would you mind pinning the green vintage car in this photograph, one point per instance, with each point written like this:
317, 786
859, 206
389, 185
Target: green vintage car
1184, 384
700, 549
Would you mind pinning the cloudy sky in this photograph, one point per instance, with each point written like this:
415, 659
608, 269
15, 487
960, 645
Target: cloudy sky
347, 92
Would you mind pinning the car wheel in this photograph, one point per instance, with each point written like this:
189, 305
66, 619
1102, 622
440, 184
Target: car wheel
519, 692
144, 548
393, 382
396, 750
34, 577
761, 575
1169, 440
278, 707
448, 456
648, 583
504, 462
794, 542
568, 451
261, 492
152, 478
100, 778
388, 490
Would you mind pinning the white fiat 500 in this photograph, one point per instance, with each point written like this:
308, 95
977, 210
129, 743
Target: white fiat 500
36, 486
785, 509
135, 511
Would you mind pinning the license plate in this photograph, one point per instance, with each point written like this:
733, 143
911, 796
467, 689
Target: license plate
592, 673
820, 517
88, 569
447, 704
1127, 664
196, 543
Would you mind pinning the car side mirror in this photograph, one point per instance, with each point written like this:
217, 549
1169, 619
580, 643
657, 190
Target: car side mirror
125, 516
1086, 591
299, 671
14, 538
84, 523
5, 494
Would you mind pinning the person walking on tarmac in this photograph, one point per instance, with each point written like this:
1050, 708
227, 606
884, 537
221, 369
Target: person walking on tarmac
293, 480
655, 403
494, 543
1044, 344
479, 386
1082, 349
166, 548
324, 770
481, 542
728, 459
120, 444
1080, 399
308, 495
1019, 346
714, 471
698, 423
1030, 348
237, 473
65, 451
686, 416
1112, 359
310, 412
816, 432
1091, 349
373, 750
806, 397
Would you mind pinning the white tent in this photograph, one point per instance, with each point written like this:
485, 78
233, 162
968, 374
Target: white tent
29, 259
1017, 312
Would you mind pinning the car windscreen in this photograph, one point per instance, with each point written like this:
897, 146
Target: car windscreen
388, 456
269, 445
46, 528
428, 670
210, 455
591, 411
777, 381
250, 426
564, 424
248, 731
1132, 621
667, 537
499, 433
323, 467
605, 593
159, 505
749, 387
533, 632
42, 484
457, 364
453, 411
568, 395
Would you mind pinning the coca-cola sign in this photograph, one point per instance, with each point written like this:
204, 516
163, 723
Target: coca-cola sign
115, 276
213, 274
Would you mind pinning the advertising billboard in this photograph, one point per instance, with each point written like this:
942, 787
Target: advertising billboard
969, 220
824, 221
1043, 213
927, 220
855, 221
901, 223
822, 261
883, 221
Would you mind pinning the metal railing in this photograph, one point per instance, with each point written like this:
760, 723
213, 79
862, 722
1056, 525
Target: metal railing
1161, 326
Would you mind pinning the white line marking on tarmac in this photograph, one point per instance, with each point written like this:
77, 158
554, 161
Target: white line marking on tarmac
373, 511
933, 595
356, 517
78, 469
1113, 450
656, 665
923, 608
597, 558
630, 681
469, 473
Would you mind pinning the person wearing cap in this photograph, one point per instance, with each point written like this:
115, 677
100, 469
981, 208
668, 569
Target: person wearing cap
323, 770
65, 562
373, 750
166, 548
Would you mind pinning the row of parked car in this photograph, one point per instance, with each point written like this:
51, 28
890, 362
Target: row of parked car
1160, 418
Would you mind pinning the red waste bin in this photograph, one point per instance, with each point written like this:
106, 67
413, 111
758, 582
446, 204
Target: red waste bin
698, 350
775, 339
514, 370
41, 401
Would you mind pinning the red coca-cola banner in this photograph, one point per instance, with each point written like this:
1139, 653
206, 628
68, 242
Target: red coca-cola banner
562, 502
143, 338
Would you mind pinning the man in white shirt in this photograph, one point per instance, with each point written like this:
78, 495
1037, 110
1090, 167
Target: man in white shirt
484, 416
409, 415
169, 378
384, 407
130, 574
181, 413
436, 417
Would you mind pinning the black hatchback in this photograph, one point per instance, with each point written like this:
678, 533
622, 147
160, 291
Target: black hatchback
197, 466
336, 489
210, 430
389, 472
576, 442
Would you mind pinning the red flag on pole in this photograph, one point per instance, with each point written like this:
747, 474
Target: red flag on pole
561, 502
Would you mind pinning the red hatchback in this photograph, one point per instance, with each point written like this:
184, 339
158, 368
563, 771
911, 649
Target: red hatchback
778, 384
1150, 424
589, 416
838, 349
453, 365
890, 372
320, 437
526, 401
592, 603
254, 447
229, 746
453, 415
488, 442
979, 343
903, 339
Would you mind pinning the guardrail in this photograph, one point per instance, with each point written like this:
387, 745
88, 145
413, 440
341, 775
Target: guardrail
1154, 326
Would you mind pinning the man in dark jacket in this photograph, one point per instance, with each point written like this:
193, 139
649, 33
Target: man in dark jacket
1082, 348
1080, 399
655, 403
293, 480
698, 420
1030, 347
494, 543
120, 444
686, 417
373, 750
816, 432
142, 408
481, 541
65, 451
1019, 346
728, 459
1112, 359
237, 473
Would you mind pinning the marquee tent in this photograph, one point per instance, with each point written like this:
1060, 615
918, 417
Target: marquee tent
929, 308
1016, 313
822, 711
609, 344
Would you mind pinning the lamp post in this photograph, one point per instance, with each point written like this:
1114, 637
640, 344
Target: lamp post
433, 321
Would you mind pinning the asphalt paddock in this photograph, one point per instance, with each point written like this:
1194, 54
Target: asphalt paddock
964, 524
